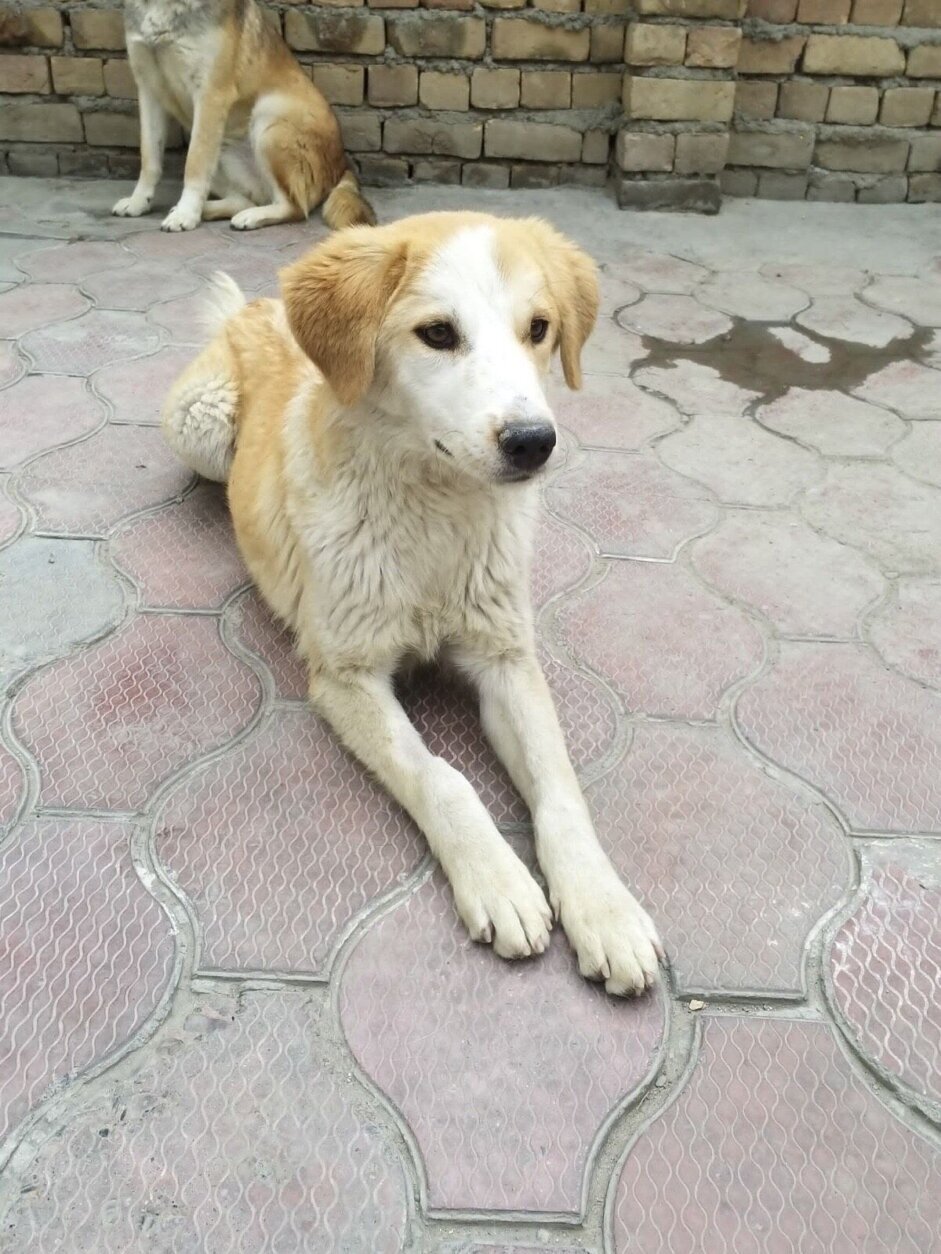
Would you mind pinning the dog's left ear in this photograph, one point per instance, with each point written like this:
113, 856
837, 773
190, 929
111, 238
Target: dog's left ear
572, 277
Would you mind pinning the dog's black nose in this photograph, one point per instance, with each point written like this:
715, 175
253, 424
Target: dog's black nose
527, 445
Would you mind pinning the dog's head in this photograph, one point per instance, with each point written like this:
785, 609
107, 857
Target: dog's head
443, 327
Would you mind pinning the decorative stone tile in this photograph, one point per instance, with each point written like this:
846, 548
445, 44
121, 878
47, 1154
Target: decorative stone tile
619, 417
666, 644
881, 511
616, 292
72, 262
656, 272
13, 252
916, 299
183, 557
25, 308
12, 789
93, 340
55, 594
611, 351
85, 955
10, 518
561, 560
175, 247
919, 454
806, 584
801, 345
86, 488
255, 628
139, 287
630, 505
776, 1143
234, 1136
912, 390
834, 424
907, 631
40, 413
254, 270
676, 319
108, 724
183, 319
279, 844
868, 738
137, 389
11, 368
818, 280
587, 714
845, 318
436, 1022
740, 461
748, 295
696, 389
679, 817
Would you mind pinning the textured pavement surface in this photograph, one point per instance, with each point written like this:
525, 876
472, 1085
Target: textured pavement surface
237, 1011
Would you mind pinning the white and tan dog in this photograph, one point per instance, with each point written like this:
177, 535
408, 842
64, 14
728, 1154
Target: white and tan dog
381, 432
262, 137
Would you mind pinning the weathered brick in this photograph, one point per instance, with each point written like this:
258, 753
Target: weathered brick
558, 6
858, 105
925, 154
924, 13
770, 56
804, 102
97, 28
693, 8
340, 84
936, 112
439, 90
678, 99
485, 174
646, 44
774, 185
23, 73
863, 153
518, 39
392, 85
595, 89
773, 10
755, 101
33, 163
596, 147
833, 187
460, 5
739, 182
607, 44
877, 13
828, 12
438, 35
546, 89
504, 4
29, 28
924, 189
376, 171
432, 170
429, 136
606, 8
585, 175
392, 4
713, 47
907, 106
112, 130
42, 122
495, 89
925, 61
531, 141
670, 195
362, 33
119, 80
891, 190
701, 154
77, 76
866, 56
781, 150
534, 176
361, 131
639, 153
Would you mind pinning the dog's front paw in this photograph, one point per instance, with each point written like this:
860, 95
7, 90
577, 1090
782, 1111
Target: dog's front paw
501, 904
181, 218
133, 206
612, 934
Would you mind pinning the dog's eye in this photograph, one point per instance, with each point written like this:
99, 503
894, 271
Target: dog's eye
538, 330
438, 335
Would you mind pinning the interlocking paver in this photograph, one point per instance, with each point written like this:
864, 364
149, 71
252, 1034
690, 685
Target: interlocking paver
73, 262
40, 413
255, 628
818, 280
745, 294
776, 1143
919, 454
561, 560
916, 299
907, 630
909, 388
137, 287
254, 270
11, 367
137, 389
846, 318
10, 517
94, 339
612, 350
12, 788
833, 424
695, 388
656, 272
25, 308
676, 319
182, 319
614, 413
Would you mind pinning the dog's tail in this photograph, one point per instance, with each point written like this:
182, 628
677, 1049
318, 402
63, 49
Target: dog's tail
346, 205
223, 301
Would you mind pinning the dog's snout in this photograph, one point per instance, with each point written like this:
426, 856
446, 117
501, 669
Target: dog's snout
527, 445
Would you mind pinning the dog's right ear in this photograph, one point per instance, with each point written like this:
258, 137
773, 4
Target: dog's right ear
336, 298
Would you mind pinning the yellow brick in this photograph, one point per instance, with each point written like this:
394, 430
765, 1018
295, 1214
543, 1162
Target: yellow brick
78, 76
495, 89
438, 90
340, 84
517, 39
119, 80
654, 45
678, 99
22, 28
713, 47
98, 28
925, 61
853, 105
546, 89
595, 89
770, 56
907, 106
22, 73
866, 56
389, 85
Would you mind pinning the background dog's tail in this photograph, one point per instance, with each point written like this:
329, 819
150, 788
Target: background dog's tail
223, 301
346, 205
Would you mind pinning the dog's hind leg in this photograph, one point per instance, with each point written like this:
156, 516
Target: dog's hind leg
281, 158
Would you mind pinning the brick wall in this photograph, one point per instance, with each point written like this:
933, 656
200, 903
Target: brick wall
676, 101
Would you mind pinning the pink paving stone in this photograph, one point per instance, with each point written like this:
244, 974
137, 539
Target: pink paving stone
438, 1024
919, 454
616, 292
70, 263
919, 300
11, 368
834, 424
255, 628
95, 339
676, 319
912, 390
611, 350
620, 416
735, 867
10, 518
85, 955
667, 645
877, 509
232, 1138
40, 413
806, 584
656, 272
176, 247
25, 308
867, 737
183, 557
140, 286
776, 1144
12, 788
907, 631
561, 560
108, 724
884, 971
183, 319
280, 844
740, 461
695, 389
846, 318
745, 294
818, 280
253, 270
86, 488
630, 505
137, 389
587, 714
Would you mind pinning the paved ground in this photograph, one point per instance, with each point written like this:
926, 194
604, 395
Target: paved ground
238, 1014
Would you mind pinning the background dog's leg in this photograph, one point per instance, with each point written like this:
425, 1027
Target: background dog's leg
495, 895
153, 138
610, 932
212, 110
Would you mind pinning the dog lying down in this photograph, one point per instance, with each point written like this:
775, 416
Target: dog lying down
382, 430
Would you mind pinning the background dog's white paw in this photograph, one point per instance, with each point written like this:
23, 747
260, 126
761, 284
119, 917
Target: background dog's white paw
181, 218
501, 904
612, 934
131, 206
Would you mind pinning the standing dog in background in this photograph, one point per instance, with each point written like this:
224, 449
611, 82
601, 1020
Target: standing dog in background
262, 137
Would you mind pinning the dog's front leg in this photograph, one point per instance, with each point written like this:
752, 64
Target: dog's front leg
496, 896
610, 932
202, 157
153, 137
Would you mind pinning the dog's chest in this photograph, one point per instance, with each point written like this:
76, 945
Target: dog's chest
184, 38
